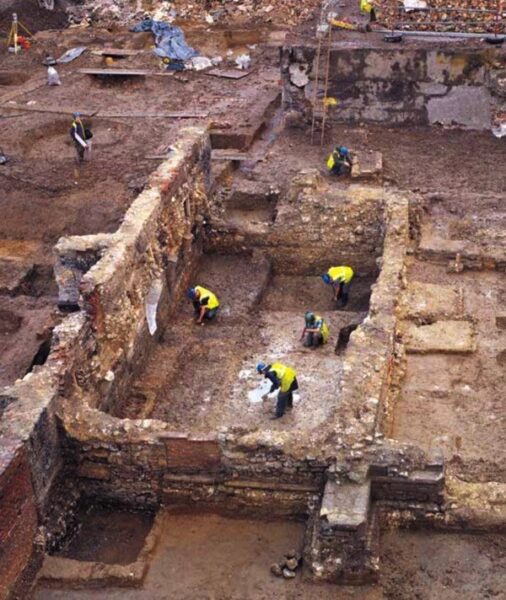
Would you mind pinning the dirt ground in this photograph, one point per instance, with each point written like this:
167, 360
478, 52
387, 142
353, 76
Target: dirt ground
108, 536
203, 378
465, 393
205, 556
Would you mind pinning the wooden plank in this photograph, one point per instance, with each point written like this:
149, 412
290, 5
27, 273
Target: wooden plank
109, 115
115, 72
167, 115
226, 154
228, 73
117, 52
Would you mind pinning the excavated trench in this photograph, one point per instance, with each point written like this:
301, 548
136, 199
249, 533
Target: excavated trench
202, 379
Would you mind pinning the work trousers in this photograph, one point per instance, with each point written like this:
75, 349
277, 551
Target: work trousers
313, 339
343, 294
80, 151
285, 399
209, 314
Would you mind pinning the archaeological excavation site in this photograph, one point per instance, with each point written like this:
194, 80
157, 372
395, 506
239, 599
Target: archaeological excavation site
194, 193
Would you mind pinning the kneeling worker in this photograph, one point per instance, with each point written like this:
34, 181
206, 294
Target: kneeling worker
315, 332
205, 303
283, 378
339, 162
340, 280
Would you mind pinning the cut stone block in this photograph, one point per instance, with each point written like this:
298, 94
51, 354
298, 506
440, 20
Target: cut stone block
346, 506
366, 163
426, 300
442, 336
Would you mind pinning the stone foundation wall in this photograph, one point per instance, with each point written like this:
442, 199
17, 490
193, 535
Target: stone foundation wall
109, 277
415, 85
147, 262
316, 225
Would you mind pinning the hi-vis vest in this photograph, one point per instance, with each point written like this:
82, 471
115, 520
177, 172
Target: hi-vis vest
341, 274
324, 330
331, 162
365, 6
213, 301
285, 374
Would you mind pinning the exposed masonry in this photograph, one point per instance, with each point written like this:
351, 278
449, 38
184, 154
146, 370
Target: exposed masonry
417, 86
56, 422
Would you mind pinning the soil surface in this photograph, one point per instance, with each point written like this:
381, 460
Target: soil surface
108, 536
203, 378
430, 566
204, 557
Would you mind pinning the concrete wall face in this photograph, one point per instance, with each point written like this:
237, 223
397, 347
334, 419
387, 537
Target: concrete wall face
414, 86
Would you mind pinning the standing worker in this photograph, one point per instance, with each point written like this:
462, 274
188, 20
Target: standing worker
339, 162
81, 137
366, 6
283, 378
315, 332
205, 303
340, 280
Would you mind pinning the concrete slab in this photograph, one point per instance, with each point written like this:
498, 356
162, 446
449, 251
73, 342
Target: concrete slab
442, 336
426, 300
346, 506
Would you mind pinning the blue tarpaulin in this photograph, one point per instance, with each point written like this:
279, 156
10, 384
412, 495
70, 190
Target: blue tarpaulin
169, 39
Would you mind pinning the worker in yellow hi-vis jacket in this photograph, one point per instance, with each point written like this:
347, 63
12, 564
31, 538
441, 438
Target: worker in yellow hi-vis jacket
283, 378
205, 303
340, 280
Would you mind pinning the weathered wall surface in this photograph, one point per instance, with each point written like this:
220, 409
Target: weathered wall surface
413, 85
111, 277
148, 261
315, 225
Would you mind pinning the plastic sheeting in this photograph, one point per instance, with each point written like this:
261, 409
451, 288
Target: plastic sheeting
169, 39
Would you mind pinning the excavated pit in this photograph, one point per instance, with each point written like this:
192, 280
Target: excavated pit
107, 535
400, 426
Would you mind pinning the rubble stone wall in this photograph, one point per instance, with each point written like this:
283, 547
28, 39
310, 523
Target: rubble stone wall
417, 85
315, 225
159, 240
148, 261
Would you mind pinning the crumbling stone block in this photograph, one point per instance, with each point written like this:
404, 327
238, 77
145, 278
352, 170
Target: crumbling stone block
442, 336
366, 164
429, 301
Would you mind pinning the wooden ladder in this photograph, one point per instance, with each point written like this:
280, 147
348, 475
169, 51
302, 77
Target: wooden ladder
317, 109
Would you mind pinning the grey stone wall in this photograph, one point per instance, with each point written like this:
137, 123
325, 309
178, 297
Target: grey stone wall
415, 85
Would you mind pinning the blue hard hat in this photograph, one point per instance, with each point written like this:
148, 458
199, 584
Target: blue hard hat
326, 278
343, 150
76, 115
309, 316
261, 367
191, 293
